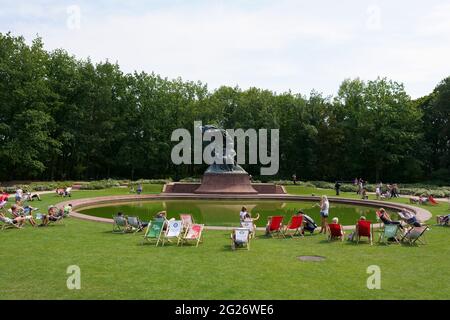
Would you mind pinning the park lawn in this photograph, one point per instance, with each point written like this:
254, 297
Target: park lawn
115, 266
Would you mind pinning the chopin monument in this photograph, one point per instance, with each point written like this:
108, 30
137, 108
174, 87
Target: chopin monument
224, 175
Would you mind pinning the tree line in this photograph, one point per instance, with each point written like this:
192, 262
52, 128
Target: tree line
67, 118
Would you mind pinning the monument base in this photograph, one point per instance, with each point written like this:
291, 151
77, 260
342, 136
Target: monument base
226, 183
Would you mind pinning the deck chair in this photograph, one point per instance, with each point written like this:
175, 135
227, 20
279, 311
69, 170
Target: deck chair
154, 232
440, 220
294, 227
364, 229
134, 223
433, 201
240, 238
194, 234
389, 231
120, 224
414, 235
174, 231
250, 226
8, 225
335, 231
275, 224
187, 220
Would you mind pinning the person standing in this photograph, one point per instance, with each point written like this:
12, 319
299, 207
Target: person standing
139, 189
294, 178
337, 187
19, 195
324, 213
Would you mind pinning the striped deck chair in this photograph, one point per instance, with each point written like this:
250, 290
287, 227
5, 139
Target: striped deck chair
154, 232
6, 223
194, 234
414, 235
187, 220
134, 224
240, 238
174, 231
120, 224
389, 231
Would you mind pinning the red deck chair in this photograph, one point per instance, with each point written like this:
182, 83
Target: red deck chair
335, 231
295, 225
364, 229
433, 201
274, 225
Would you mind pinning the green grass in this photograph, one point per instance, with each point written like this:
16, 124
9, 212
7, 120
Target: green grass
113, 266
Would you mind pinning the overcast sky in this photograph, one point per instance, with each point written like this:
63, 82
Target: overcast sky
275, 45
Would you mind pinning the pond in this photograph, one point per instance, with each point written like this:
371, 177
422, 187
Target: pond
226, 212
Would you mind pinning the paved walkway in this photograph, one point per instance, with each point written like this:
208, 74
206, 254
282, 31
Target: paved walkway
421, 213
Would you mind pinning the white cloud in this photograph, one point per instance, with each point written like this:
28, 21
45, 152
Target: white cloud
275, 45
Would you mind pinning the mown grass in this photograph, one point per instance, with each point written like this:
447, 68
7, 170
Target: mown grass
114, 266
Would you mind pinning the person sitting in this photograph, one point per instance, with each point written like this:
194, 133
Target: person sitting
444, 220
67, 210
409, 218
423, 199
386, 218
68, 192
53, 215
248, 218
16, 210
2, 204
243, 214
22, 213
60, 192
335, 221
308, 223
18, 221
4, 196
163, 215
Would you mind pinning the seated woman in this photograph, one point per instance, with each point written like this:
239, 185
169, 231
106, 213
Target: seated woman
409, 218
247, 220
336, 230
385, 217
18, 221
53, 215
243, 213
423, 199
163, 215
444, 219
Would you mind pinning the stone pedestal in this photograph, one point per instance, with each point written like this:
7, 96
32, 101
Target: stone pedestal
226, 183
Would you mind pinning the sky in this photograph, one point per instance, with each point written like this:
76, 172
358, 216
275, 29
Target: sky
276, 45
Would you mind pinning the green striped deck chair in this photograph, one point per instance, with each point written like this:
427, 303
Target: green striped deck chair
154, 232
389, 231
120, 224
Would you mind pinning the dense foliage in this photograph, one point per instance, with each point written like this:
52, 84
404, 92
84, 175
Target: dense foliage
63, 118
